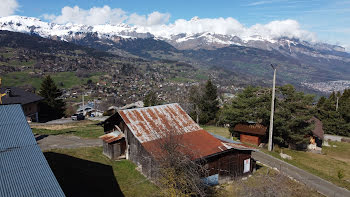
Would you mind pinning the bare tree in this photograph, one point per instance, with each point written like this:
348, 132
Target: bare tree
178, 173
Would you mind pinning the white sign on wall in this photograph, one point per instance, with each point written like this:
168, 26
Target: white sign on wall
246, 165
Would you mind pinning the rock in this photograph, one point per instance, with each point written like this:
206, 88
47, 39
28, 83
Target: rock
285, 156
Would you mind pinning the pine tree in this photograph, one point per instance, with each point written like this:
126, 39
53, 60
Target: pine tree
209, 105
336, 122
151, 99
53, 106
292, 112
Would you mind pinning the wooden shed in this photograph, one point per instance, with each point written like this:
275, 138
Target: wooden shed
252, 133
143, 129
114, 145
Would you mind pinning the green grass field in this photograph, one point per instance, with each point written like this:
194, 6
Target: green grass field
217, 130
85, 129
87, 172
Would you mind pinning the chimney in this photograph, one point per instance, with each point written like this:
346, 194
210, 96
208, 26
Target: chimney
8, 92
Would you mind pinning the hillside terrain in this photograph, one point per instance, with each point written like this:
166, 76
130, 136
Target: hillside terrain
232, 59
25, 59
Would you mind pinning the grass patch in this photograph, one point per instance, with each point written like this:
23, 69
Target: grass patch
87, 172
86, 129
322, 165
217, 130
20, 79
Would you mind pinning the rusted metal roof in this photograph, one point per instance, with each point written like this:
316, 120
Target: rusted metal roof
152, 123
257, 129
112, 137
196, 144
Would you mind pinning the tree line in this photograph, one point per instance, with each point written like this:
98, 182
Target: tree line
293, 111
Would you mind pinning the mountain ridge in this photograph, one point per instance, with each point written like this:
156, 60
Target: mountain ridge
303, 62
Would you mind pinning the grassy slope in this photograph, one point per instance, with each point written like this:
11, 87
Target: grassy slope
217, 130
85, 164
325, 166
86, 129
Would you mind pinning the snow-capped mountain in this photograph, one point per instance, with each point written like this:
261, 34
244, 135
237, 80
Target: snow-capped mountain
110, 34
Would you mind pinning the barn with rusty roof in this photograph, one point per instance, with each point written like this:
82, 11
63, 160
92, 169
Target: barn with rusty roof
136, 134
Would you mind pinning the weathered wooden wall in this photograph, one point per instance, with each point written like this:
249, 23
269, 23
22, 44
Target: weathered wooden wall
251, 139
229, 163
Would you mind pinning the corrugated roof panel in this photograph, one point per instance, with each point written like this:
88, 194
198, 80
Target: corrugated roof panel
112, 137
196, 144
25, 172
152, 123
15, 130
23, 168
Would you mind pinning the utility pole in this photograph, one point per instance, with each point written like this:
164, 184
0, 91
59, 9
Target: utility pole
336, 107
83, 105
272, 107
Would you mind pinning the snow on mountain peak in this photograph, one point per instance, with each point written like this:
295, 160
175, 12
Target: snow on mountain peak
218, 32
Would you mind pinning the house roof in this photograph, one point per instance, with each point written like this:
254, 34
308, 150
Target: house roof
24, 169
257, 129
157, 125
19, 96
318, 130
152, 123
231, 143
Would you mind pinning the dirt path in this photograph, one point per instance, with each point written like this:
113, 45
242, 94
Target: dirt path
47, 142
324, 187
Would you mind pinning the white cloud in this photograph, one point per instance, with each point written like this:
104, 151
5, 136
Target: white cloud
104, 15
157, 23
259, 3
8, 7
230, 26
93, 16
155, 18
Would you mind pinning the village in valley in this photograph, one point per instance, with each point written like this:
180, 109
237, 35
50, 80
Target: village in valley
105, 102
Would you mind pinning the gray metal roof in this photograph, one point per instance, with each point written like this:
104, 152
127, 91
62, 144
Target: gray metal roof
223, 138
23, 168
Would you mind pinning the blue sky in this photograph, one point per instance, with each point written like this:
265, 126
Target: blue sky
329, 20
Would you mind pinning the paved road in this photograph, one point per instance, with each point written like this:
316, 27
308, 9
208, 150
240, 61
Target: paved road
324, 187
47, 142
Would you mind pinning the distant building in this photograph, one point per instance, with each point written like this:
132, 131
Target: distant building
251, 132
114, 109
24, 170
136, 134
29, 101
89, 110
